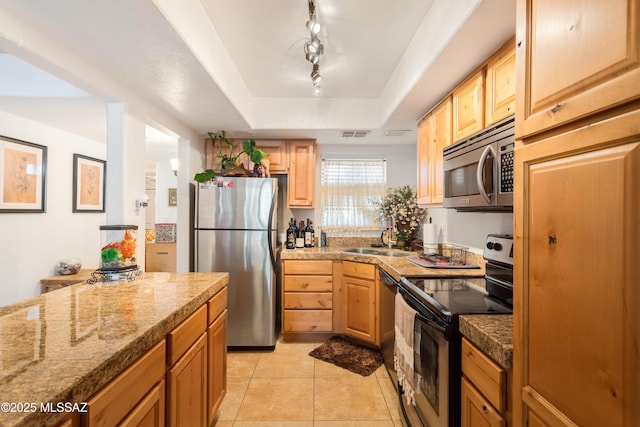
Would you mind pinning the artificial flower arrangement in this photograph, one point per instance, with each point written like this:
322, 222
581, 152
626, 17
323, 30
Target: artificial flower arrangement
401, 203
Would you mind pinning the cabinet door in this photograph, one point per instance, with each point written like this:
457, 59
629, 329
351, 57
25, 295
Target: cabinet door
277, 152
501, 84
476, 410
217, 368
441, 139
360, 308
187, 387
577, 276
149, 412
302, 174
468, 107
424, 167
574, 59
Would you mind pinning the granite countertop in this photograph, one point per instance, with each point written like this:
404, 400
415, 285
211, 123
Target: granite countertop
491, 333
64, 346
395, 266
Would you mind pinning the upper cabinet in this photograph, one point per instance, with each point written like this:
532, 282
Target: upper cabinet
501, 84
277, 152
302, 173
601, 40
468, 107
434, 133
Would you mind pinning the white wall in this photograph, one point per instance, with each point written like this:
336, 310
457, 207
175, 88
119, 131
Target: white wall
33, 242
470, 228
165, 179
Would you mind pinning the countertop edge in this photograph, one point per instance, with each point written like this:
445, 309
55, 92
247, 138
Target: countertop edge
492, 334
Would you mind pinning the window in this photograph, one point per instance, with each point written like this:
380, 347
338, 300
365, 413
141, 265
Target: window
347, 188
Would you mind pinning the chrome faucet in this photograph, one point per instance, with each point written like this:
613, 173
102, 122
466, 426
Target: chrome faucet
390, 229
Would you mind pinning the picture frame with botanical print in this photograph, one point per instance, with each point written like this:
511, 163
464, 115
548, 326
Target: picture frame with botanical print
88, 183
173, 197
23, 174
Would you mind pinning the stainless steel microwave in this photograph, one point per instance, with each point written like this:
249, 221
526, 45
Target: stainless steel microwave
478, 171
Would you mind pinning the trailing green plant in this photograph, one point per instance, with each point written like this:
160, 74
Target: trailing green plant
228, 153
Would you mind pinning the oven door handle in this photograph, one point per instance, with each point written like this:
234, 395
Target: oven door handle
480, 173
432, 321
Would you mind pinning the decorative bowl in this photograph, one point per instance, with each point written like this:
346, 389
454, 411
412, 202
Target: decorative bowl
68, 266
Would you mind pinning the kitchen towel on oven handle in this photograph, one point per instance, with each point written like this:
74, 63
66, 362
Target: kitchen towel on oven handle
405, 351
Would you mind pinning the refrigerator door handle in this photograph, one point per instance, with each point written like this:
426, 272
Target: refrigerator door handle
272, 255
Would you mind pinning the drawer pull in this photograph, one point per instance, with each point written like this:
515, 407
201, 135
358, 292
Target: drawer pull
162, 253
484, 408
558, 107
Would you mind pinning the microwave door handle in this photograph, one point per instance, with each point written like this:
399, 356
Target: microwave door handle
479, 173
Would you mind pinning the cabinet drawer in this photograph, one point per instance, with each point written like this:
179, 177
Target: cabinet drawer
181, 338
308, 300
308, 267
307, 321
217, 304
308, 283
359, 269
488, 377
121, 395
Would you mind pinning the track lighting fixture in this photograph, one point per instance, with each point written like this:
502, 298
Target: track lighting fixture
313, 48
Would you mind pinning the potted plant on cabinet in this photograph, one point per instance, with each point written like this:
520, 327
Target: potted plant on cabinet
226, 152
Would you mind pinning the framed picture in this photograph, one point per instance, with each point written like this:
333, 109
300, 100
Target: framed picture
23, 171
88, 184
173, 197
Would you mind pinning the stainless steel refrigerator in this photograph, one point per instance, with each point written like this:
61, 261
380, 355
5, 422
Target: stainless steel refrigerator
236, 231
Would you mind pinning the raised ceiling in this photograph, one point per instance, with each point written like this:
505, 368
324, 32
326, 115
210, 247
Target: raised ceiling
239, 65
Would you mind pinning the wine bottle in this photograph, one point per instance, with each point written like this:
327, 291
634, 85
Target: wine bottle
300, 236
313, 234
307, 235
291, 234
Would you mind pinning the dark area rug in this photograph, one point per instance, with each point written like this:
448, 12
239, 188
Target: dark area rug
354, 357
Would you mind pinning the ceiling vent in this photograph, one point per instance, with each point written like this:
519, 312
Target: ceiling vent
398, 132
354, 133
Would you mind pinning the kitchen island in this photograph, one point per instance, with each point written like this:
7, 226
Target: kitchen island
65, 346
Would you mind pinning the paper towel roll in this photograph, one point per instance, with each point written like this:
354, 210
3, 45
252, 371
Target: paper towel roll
429, 233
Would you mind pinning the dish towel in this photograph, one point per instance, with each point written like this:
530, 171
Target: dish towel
403, 354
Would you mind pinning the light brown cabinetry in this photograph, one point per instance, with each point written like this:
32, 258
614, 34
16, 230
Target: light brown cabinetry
574, 61
501, 84
581, 191
137, 390
485, 389
302, 174
216, 353
468, 107
160, 257
187, 375
434, 133
277, 152
307, 297
576, 320
361, 301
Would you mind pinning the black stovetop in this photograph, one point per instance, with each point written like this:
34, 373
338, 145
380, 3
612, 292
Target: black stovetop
450, 297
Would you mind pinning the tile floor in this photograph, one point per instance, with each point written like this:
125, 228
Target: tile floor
288, 388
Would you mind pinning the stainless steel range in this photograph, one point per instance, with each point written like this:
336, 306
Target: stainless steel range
438, 303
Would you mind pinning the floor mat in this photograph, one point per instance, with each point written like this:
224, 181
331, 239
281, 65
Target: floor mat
353, 357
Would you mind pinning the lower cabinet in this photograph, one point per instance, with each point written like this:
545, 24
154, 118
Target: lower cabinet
181, 381
187, 387
307, 297
216, 353
361, 301
131, 392
485, 389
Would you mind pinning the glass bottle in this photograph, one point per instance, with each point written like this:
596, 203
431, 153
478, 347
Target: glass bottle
291, 234
300, 236
307, 235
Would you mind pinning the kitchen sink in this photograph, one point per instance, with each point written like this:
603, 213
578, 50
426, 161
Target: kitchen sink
379, 252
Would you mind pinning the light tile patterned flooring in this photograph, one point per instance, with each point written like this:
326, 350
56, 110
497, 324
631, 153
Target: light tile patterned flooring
288, 388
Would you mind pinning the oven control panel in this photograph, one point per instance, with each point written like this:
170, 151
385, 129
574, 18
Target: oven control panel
499, 247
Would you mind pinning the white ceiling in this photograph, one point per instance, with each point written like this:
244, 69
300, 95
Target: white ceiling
239, 65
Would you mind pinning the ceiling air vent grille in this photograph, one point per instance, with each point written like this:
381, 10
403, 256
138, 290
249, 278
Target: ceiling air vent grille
354, 133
